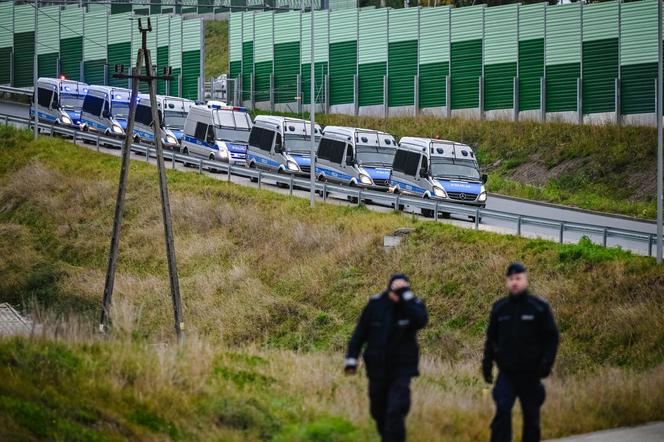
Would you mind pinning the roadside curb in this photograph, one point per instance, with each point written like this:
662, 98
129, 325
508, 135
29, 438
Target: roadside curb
572, 208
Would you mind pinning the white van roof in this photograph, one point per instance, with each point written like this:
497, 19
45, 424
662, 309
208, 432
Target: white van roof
64, 83
270, 121
117, 92
434, 147
354, 133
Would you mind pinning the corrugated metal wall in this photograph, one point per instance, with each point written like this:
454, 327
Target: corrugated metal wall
567, 46
263, 55
372, 53
81, 42
321, 46
434, 60
286, 56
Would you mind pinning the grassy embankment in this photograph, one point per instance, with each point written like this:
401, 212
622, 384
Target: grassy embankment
605, 168
271, 290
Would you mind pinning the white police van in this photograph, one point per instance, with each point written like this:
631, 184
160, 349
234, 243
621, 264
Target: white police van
219, 133
438, 169
281, 144
172, 114
355, 157
105, 110
59, 101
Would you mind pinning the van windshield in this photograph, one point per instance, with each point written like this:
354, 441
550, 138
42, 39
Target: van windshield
71, 101
375, 155
299, 144
120, 109
230, 119
447, 168
174, 119
239, 136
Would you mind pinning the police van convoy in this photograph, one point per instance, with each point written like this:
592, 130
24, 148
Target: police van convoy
438, 169
59, 101
425, 167
218, 133
281, 144
355, 157
172, 114
105, 110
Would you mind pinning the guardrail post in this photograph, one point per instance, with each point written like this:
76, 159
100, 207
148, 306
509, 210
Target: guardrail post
200, 166
228, 172
396, 202
604, 237
97, 142
650, 241
477, 219
74, 138
173, 160
290, 190
518, 226
435, 211
562, 232
52, 129
147, 154
359, 197
324, 191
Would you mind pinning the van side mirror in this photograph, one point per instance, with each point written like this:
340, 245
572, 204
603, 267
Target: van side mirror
485, 178
278, 148
424, 173
106, 114
350, 161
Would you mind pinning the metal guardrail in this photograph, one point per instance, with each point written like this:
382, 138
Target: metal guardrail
356, 194
16, 90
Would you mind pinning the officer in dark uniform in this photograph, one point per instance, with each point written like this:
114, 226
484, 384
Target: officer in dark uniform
388, 325
522, 338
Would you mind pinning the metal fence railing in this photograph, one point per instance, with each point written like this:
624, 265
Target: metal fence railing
641, 242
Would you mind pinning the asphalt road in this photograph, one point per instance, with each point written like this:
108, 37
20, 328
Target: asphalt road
653, 432
494, 202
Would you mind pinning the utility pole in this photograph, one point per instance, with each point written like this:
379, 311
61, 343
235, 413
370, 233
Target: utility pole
660, 155
144, 56
35, 69
312, 113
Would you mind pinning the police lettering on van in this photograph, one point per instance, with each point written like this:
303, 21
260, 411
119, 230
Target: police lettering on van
355, 157
59, 101
105, 110
171, 110
218, 133
281, 144
438, 169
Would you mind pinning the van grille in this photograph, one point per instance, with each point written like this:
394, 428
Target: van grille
462, 196
385, 183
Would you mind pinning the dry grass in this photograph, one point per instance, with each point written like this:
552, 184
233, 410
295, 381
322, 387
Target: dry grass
271, 290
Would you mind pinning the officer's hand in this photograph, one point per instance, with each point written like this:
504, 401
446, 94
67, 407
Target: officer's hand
350, 370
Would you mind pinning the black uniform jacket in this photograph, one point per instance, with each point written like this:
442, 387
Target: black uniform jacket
522, 336
389, 330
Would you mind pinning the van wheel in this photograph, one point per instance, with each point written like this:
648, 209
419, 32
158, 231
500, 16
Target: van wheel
427, 213
185, 152
282, 185
211, 168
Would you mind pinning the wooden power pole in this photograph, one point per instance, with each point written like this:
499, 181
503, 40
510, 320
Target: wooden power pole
144, 56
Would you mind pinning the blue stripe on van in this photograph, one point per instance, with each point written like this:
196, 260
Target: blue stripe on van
262, 160
332, 173
407, 186
190, 139
94, 124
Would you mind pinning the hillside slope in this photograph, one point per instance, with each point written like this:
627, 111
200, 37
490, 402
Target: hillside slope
271, 290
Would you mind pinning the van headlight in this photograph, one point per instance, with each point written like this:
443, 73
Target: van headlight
365, 179
292, 165
117, 129
439, 192
223, 153
482, 197
66, 119
170, 139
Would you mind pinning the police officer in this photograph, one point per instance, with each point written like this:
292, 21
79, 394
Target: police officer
522, 338
388, 325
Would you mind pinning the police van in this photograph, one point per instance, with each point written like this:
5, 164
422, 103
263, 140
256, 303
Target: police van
59, 101
438, 169
105, 110
219, 133
355, 157
281, 144
172, 115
